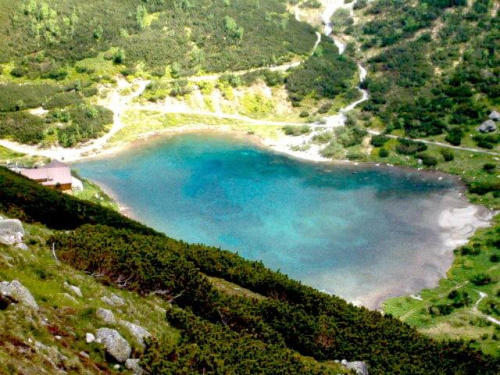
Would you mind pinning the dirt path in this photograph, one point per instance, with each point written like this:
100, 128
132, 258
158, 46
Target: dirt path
115, 102
441, 144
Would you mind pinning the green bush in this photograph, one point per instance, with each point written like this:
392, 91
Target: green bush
379, 140
448, 155
488, 167
409, 147
480, 279
296, 130
383, 153
427, 160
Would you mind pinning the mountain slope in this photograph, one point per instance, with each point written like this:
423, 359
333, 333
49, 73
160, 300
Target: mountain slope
291, 317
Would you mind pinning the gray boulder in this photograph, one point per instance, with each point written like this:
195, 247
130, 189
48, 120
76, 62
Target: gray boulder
11, 231
118, 301
494, 115
359, 367
116, 346
22, 246
487, 127
133, 365
74, 289
114, 300
106, 316
17, 292
138, 332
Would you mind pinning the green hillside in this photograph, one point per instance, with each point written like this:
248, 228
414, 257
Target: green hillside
184, 36
219, 331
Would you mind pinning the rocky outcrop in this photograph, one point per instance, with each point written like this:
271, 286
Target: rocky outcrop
494, 115
89, 338
487, 127
106, 316
11, 231
17, 292
138, 332
74, 289
359, 367
116, 346
133, 365
114, 300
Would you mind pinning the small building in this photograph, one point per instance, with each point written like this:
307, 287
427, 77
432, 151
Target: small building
55, 175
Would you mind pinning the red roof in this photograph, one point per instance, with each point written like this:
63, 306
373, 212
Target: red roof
52, 174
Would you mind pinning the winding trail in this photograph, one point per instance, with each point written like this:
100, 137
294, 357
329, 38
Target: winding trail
435, 143
116, 103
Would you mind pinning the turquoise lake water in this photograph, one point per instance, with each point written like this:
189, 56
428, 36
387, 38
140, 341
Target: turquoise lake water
363, 233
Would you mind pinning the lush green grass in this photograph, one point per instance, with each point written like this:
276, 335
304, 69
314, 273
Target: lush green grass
93, 193
143, 123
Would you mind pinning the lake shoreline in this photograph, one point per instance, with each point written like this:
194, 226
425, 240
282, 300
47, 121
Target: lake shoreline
457, 224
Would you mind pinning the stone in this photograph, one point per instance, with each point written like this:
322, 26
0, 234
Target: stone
51, 352
70, 297
133, 365
74, 289
118, 301
487, 127
11, 231
89, 338
494, 115
359, 367
84, 354
138, 332
22, 246
16, 291
107, 300
116, 346
106, 316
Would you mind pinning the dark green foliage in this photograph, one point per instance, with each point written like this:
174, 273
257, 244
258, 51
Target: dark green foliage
299, 317
409, 147
459, 298
85, 122
296, 130
324, 75
63, 100
440, 309
448, 155
18, 97
240, 35
488, 167
215, 349
30, 202
480, 279
427, 160
426, 85
484, 186
487, 141
379, 140
22, 127
455, 136
383, 153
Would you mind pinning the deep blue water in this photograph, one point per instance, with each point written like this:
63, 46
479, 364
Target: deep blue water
360, 232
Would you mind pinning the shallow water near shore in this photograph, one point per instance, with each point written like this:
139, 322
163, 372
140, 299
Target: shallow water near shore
363, 233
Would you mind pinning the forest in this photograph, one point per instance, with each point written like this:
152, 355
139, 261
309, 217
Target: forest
180, 37
290, 320
435, 66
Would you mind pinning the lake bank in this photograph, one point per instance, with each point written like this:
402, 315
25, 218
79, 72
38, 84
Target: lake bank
237, 200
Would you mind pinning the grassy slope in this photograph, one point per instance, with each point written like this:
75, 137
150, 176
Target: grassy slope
60, 315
